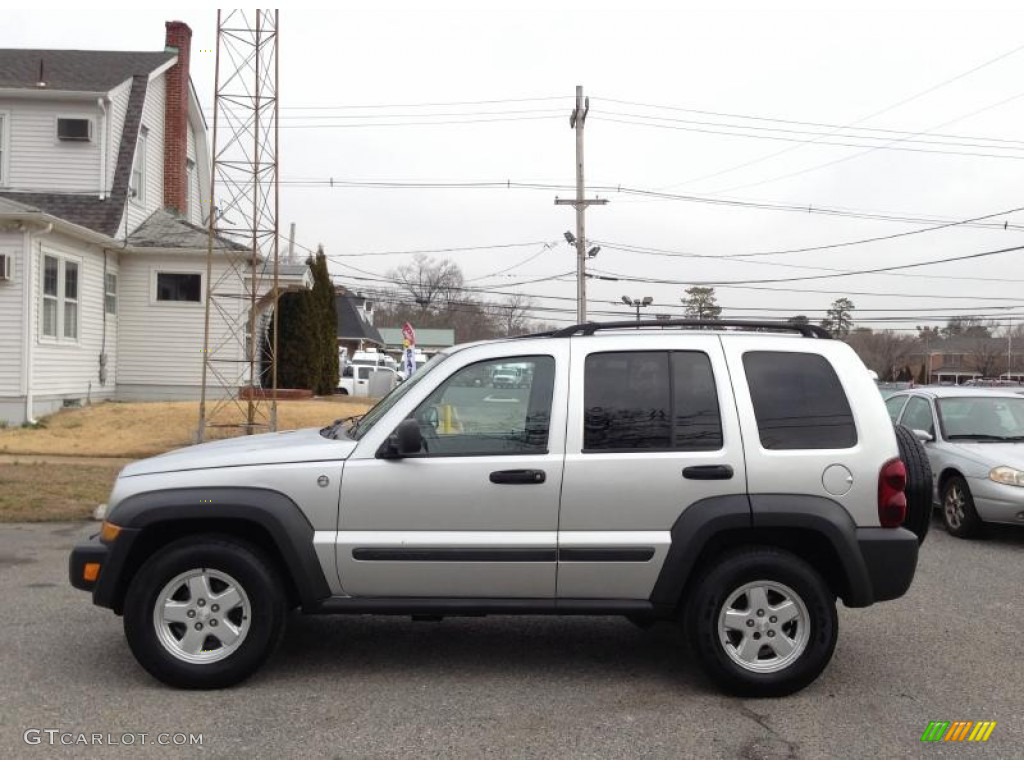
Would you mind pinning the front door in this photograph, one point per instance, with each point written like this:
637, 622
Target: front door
475, 513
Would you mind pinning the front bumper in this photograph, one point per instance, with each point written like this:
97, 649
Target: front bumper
111, 559
890, 559
997, 502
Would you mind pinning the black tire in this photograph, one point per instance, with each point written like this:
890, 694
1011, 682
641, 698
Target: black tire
919, 492
956, 495
240, 563
730, 574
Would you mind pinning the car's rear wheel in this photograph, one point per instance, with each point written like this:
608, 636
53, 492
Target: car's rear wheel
958, 510
762, 621
919, 482
204, 612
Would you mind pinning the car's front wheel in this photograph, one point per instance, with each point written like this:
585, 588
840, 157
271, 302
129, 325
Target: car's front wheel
204, 612
958, 510
763, 622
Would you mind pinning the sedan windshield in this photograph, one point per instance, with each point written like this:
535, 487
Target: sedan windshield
982, 419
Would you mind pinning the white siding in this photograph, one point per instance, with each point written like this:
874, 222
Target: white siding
39, 161
12, 316
70, 368
153, 119
162, 342
195, 215
116, 112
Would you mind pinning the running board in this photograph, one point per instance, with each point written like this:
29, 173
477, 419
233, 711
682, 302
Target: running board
473, 606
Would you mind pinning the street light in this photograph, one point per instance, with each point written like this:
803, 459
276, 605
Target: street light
637, 303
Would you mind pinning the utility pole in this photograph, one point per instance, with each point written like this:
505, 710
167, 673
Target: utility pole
577, 120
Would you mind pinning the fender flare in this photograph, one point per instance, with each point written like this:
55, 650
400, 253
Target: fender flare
273, 512
747, 515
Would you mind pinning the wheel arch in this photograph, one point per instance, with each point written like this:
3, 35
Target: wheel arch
267, 519
818, 530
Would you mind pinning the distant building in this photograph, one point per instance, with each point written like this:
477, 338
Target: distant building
429, 341
355, 323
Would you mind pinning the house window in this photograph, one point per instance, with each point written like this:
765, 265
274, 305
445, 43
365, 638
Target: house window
190, 185
4, 121
60, 297
110, 293
179, 286
70, 300
51, 279
137, 192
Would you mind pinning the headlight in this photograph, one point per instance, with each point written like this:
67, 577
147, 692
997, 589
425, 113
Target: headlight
1006, 476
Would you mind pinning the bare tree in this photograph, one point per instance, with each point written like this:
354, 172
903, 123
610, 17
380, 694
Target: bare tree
886, 352
512, 314
428, 282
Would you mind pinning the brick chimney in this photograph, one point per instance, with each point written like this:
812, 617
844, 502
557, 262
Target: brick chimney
179, 37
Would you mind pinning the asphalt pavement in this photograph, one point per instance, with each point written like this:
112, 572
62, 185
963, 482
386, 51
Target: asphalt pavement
531, 687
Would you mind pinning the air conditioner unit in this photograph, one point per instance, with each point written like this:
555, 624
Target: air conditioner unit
5, 266
74, 129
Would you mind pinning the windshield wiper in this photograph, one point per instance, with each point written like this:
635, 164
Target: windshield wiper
332, 429
985, 438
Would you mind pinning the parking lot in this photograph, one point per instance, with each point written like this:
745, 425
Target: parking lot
521, 687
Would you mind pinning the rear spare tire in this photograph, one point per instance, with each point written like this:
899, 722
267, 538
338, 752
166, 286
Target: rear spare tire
919, 482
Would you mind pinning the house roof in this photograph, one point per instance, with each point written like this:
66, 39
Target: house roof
351, 324
90, 211
164, 229
90, 71
425, 337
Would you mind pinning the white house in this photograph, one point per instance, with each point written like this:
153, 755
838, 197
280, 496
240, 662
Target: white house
104, 170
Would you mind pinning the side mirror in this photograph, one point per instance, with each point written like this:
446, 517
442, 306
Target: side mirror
404, 441
924, 436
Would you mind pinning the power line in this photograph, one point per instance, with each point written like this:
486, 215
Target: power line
760, 118
452, 249
431, 103
856, 155
891, 145
635, 191
751, 254
405, 124
849, 273
864, 119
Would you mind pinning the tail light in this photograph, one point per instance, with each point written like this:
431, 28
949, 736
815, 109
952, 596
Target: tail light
892, 499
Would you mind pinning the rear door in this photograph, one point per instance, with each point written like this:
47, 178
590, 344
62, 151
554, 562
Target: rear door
652, 430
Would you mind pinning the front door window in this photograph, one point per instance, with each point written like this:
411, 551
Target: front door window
490, 408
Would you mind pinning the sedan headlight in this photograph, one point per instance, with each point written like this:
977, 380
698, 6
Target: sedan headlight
1006, 476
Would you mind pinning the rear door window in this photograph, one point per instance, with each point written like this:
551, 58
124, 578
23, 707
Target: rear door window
650, 401
894, 405
798, 401
918, 415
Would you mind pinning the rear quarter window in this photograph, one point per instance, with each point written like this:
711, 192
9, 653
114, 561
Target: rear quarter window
798, 401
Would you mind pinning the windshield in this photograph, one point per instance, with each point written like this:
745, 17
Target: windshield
982, 419
362, 425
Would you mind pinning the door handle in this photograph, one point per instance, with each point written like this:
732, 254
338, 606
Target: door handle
708, 472
518, 476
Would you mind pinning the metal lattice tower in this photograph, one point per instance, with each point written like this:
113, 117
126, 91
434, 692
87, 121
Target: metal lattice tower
239, 384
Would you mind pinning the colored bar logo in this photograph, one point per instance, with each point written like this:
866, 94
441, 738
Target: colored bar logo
958, 730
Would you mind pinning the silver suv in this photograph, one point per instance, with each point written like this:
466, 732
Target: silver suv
733, 479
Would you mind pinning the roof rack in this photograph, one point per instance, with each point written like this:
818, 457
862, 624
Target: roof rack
588, 329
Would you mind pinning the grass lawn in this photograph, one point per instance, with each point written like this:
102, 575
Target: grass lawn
39, 492
34, 490
138, 430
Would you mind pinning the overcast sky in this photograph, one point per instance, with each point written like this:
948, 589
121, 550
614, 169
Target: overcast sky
868, 73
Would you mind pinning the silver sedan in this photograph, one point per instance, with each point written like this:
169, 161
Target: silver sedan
975, 442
